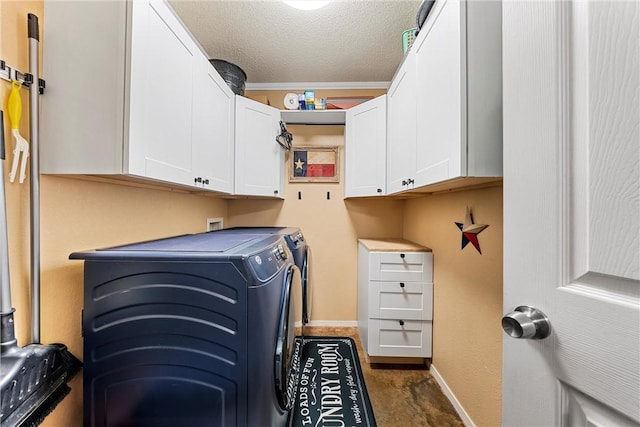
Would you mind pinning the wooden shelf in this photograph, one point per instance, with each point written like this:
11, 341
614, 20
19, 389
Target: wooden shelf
313, 117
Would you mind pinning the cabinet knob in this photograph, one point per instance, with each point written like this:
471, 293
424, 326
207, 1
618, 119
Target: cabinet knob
401, 322
379, 190
410, 181
401, 255
401, 285
405, 182
206, 182
275, 191
198, 179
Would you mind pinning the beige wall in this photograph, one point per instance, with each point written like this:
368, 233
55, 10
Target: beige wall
76, 215
467, 338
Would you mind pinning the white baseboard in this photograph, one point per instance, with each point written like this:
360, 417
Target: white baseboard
331, 323
466, 419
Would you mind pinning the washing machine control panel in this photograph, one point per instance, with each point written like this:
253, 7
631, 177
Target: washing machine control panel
280, 253
296, 239
268, 262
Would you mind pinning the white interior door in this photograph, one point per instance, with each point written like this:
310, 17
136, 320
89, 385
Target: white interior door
572, 210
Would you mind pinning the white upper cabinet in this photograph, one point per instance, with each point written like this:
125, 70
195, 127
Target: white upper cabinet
213, 128
365, 148
121, 95
160, 100
401, 126
459, 92
259, 160
445, 101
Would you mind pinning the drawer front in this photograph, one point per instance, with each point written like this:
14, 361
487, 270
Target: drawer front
401, 266
400, 300
390, 338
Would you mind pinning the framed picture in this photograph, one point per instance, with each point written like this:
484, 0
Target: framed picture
314, 164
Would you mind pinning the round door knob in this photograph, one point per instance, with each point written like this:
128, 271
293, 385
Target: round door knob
527, 323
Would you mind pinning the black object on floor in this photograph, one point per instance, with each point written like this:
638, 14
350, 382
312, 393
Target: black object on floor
331, 388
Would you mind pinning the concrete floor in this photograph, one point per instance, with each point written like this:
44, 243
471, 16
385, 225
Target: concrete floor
401, 395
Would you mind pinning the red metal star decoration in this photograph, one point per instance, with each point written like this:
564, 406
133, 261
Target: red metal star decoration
470, 231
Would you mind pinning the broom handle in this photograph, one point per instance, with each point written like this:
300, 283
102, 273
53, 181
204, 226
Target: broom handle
5, 286
34, 104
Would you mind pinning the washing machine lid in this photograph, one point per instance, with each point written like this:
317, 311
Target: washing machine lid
254, 230
204, 242
203, 245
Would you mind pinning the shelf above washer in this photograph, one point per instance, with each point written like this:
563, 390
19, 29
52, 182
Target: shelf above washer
313, 117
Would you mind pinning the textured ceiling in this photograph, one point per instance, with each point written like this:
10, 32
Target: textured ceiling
346, 41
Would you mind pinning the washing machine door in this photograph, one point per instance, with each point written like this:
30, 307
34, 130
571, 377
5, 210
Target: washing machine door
287, 352
306, 288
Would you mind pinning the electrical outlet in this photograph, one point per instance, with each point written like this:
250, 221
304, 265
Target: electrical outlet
214, 224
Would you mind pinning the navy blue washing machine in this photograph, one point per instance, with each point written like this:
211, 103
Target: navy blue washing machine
194, 330
301, 256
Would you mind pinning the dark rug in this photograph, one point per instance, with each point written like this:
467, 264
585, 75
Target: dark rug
331, 389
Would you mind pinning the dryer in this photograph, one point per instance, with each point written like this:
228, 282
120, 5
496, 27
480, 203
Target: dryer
301, 256
195, 330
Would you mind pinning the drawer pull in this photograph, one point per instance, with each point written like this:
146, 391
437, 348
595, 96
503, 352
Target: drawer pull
401, 285
401, 322
401, 255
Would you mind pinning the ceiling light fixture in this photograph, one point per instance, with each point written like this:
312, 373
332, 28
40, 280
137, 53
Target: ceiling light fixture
307, 4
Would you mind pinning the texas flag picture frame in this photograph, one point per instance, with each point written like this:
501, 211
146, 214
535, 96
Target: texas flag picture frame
314, 164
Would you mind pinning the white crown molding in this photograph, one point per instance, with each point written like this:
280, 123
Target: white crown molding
301, 86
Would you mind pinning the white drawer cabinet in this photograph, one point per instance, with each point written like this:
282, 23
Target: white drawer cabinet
395, 298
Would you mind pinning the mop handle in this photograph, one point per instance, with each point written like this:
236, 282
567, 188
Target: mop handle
2, 135
5, 285
34, 98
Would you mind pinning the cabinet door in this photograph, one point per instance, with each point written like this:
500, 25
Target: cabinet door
440, 87
213, 128
84, 63
259, 159
401, 127
365, 148
160, 95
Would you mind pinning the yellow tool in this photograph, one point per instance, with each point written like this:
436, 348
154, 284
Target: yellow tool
22, 146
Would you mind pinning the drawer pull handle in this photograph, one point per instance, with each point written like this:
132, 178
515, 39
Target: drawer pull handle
401, 285
401, 255
402, 323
